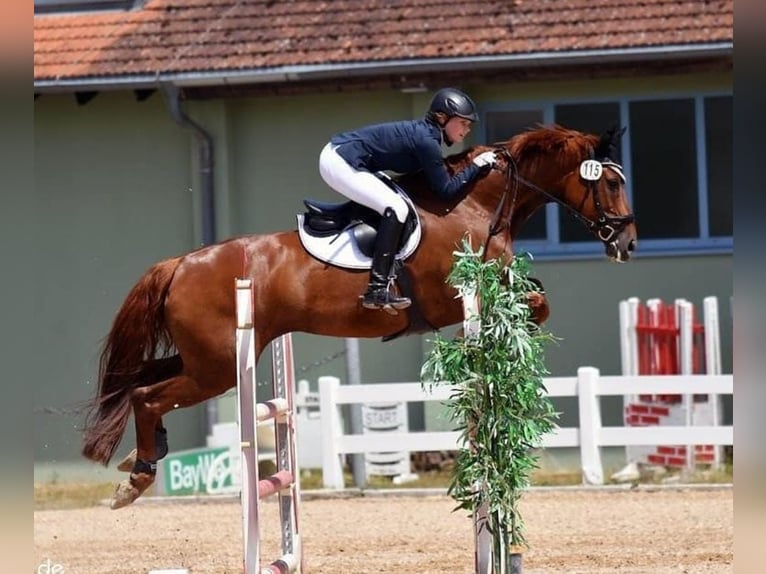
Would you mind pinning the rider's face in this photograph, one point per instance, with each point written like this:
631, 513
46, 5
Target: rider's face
457, 129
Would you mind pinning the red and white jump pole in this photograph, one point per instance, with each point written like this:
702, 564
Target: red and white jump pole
285, 481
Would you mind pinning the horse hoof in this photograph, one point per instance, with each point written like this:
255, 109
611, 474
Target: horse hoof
128, 462
124, 494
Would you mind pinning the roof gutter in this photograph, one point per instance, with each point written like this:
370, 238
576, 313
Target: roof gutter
286, 74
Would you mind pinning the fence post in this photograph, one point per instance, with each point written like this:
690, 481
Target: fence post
590, 425
332, 429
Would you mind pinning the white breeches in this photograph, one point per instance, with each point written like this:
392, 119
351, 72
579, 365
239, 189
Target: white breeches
359, 185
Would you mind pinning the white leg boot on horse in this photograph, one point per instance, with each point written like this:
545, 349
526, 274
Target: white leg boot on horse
379, 294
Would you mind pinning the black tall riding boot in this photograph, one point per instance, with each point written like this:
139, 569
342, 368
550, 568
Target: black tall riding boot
378, 296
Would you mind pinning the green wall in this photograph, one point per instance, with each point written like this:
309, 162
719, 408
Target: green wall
584, 298
117, 188
275, 142
112, 186
589, 89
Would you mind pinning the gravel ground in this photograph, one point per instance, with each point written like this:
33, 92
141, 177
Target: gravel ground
569, 531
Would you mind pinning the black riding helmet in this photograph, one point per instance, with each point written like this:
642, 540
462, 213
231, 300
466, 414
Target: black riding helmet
453, 102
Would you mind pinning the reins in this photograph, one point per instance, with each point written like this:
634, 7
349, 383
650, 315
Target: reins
498, 222
606, 226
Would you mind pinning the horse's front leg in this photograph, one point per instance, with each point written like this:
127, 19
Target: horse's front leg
538, 303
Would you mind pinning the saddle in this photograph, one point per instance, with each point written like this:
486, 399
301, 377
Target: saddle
343, 234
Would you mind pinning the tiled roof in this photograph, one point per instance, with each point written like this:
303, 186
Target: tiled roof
182, 36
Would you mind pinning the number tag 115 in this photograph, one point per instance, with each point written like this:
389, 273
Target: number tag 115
591, 170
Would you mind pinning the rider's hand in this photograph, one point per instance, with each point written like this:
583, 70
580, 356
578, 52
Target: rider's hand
486, 159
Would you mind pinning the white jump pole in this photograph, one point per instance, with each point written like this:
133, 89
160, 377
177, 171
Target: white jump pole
713, 361
482, 536
284, 482
685, 321
247, 423
283, 377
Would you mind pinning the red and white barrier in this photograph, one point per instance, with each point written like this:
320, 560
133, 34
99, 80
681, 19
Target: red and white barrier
285, 482
659, 338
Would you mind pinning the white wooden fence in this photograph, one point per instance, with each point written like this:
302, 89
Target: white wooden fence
588, 386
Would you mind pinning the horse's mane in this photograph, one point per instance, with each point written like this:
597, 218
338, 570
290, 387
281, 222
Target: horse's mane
533, 143
564, 145
528, 149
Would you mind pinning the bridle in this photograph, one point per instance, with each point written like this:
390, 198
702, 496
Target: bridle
606, 226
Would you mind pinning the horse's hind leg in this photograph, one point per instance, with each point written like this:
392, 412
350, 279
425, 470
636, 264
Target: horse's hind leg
149, 404
161, 445
159, 369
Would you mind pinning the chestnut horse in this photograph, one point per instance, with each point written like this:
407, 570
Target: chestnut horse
172, 342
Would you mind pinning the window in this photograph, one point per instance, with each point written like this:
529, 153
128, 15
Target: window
677, 154
718, 144
664, 167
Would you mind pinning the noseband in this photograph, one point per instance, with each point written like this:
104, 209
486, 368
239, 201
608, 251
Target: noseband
606, 226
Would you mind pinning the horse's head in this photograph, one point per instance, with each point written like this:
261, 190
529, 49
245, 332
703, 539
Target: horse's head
538, 166
596, 191
577, 171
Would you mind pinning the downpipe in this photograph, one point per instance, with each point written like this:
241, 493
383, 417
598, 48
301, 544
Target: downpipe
206, 172
206, 159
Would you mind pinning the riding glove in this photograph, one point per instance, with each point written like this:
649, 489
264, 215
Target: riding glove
487, 158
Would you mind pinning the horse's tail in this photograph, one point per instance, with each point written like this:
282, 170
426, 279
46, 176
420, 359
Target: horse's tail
137, 335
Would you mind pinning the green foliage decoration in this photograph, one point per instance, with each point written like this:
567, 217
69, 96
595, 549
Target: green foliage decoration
499, 401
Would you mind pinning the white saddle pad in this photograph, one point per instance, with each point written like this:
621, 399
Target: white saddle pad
342, 251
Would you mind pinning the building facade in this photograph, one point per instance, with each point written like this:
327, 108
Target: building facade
147, 147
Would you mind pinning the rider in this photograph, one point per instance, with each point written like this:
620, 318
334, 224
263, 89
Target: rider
348, 162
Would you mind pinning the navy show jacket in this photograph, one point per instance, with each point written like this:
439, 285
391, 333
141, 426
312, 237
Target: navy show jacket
404, 147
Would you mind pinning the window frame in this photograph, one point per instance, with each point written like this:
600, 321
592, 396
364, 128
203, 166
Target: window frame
552, 248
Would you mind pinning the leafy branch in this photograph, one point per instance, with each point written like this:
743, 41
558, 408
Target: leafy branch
499, 401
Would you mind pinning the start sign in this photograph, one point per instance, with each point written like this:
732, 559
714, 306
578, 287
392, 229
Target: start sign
383, 418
